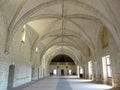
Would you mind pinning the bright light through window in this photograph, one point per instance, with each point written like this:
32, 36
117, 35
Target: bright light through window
70, 72
107, 71
108, 61
36, 49
54, 72
90, 67
81, 70
23, 33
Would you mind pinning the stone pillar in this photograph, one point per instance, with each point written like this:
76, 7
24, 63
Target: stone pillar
90, 69
116, 70
86, 71
94, 70
97, 69
78, 71
100, 70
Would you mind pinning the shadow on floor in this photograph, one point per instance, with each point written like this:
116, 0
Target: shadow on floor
24, 85
63, 85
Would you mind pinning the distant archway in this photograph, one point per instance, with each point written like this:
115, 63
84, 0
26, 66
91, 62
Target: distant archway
62, 58
62, 64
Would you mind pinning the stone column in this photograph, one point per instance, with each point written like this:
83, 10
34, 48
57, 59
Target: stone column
86, 71
116, 70
78, 71
97, 68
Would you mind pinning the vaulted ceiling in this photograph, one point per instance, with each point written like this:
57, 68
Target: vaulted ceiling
59, 24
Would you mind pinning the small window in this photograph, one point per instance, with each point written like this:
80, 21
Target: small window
23, 34
54, 72
81, 70
70, 72
104, 38
36, 49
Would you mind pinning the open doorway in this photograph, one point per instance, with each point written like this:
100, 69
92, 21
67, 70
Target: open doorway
54, 72
11, 76
62, 71
81, 72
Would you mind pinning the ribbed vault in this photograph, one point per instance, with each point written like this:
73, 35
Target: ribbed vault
72, 26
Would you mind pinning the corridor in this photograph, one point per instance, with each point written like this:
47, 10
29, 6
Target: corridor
63, 83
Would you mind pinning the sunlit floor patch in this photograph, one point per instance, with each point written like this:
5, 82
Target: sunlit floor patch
89, 86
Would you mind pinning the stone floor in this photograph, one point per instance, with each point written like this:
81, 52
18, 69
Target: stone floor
63, 83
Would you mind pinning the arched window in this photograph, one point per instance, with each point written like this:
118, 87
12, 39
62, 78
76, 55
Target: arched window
23, 34
36, 50
89, 52
104, 38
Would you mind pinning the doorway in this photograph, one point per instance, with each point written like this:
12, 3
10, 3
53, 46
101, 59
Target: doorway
11, 76
69, 72
90, 70
54, 72
33, 71
62, 71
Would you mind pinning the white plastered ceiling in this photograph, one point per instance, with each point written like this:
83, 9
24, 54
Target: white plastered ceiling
59, 23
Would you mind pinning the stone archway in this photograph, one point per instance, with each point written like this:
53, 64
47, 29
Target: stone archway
62, 64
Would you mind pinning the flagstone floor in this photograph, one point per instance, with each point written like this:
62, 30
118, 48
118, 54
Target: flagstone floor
63, 83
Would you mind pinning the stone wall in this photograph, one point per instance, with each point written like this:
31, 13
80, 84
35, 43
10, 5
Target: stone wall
63, 66
20, 56
4, 61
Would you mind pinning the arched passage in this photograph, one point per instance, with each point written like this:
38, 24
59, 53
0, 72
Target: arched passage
52, 27
58, 50
25, 18
62, 65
